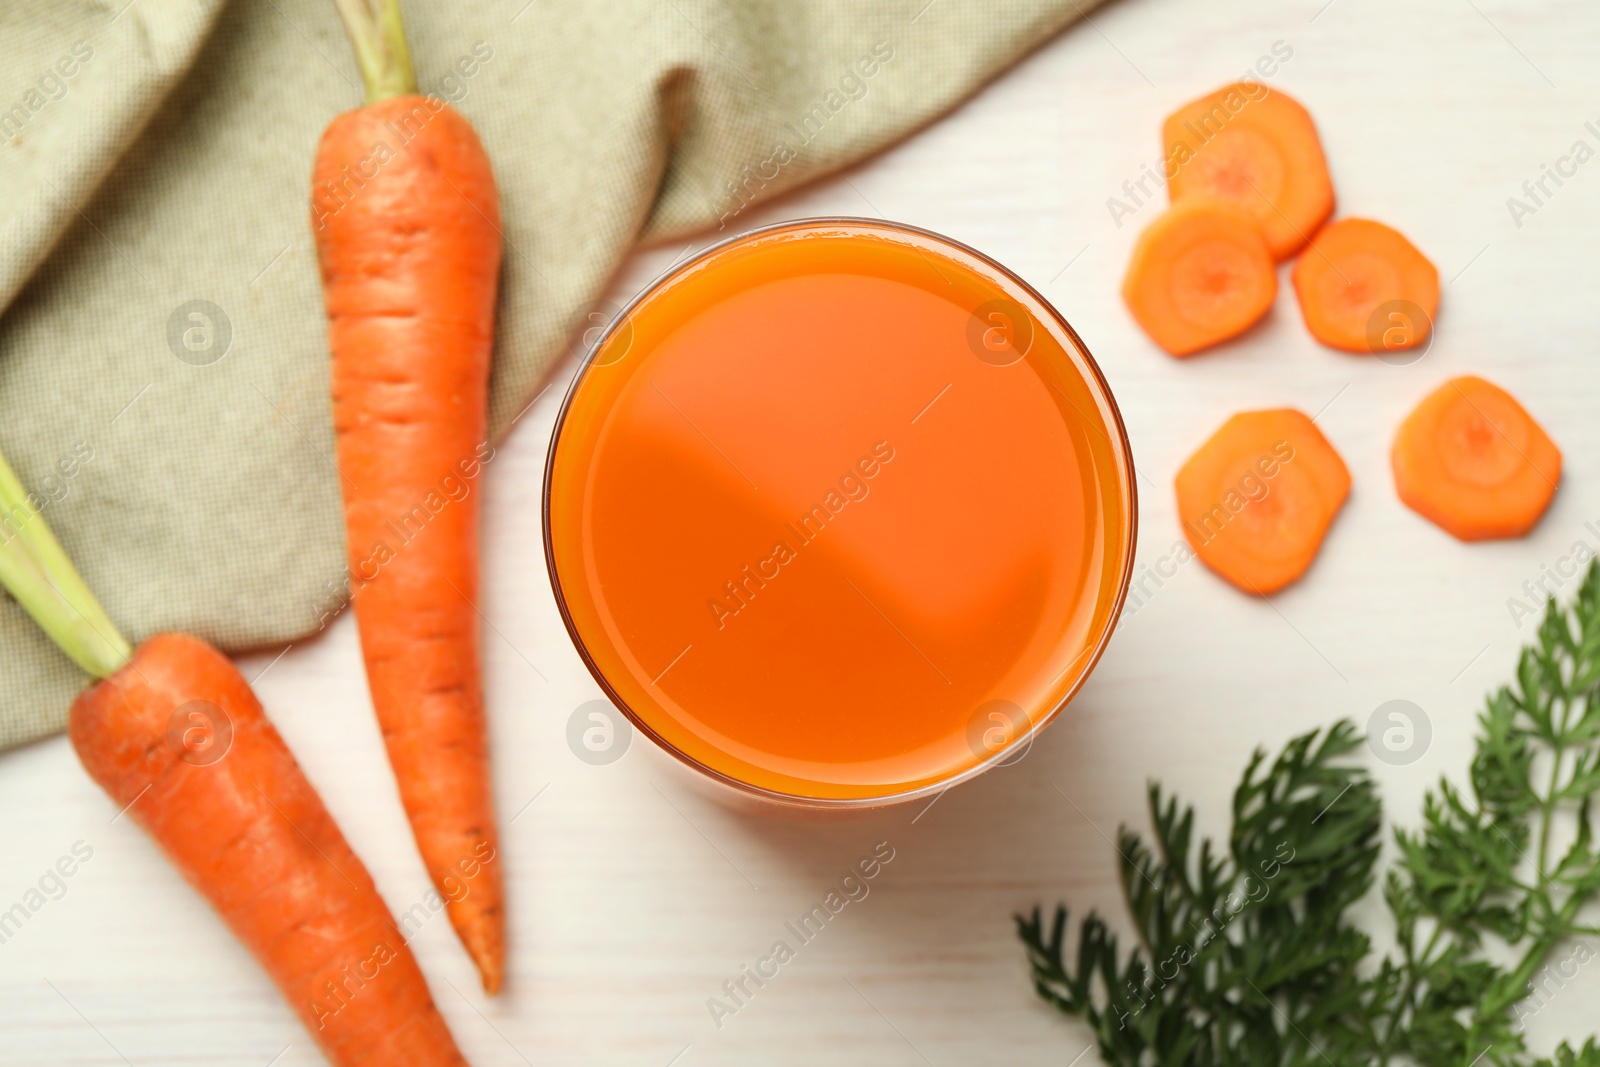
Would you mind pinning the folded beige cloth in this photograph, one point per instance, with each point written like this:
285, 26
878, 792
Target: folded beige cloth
163, 370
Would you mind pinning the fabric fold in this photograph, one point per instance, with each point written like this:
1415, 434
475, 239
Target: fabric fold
163, 365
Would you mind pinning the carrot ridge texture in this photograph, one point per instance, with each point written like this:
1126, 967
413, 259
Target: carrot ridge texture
246, 829
1257, 149
1256, 499
1472, 461
1200, 273
408, 237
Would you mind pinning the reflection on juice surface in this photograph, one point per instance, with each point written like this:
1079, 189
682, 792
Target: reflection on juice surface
813, 510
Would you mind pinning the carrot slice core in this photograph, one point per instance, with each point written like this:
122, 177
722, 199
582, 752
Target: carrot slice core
1199, 274
1472, 461
1364, 288
1256, 499
1258, 150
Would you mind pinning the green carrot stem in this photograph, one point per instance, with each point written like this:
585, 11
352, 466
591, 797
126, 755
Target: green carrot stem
379, 40
38, 573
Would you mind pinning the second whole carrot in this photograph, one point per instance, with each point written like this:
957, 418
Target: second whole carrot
408, 238
174, 734
179, 741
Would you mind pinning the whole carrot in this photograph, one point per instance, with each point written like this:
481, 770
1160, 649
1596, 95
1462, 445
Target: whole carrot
407, 226
175, 736
249, 832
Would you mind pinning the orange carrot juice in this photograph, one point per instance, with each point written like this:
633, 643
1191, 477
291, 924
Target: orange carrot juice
839, 512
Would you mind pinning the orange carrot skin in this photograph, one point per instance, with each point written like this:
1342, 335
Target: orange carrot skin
408, 236
252, 836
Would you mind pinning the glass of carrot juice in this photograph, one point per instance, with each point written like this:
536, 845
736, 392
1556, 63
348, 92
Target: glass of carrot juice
839, 513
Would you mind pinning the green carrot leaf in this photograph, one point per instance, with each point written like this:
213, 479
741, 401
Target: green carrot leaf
1251, 958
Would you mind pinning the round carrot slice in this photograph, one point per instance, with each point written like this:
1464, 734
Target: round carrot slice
1257, 498
1472, 461
1200, 274
1257, 149
1364, 288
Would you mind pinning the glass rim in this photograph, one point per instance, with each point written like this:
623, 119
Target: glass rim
1122, 447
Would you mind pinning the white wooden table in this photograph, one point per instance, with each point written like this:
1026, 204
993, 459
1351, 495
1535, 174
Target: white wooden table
633, 900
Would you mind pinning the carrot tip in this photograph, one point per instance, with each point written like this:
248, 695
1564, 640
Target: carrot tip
482, 932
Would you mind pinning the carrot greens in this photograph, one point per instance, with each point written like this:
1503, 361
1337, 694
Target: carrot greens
379, 39
1247, 955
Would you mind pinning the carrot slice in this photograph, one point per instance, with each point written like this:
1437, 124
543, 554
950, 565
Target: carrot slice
1257, 498
1200, 274
1257, 149
1472, 461
1364, 288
